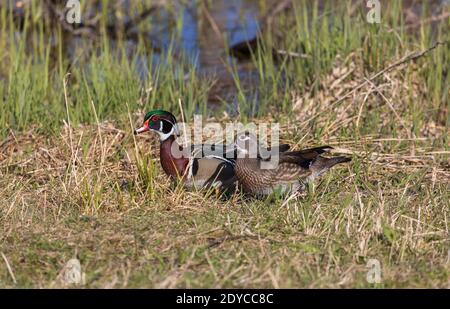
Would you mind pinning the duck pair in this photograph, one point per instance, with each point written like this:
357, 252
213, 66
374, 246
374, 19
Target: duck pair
259, 171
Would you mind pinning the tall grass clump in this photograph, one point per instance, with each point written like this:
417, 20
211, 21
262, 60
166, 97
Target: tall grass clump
296, 54
37, 59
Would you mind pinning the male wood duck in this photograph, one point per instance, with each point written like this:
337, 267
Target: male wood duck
281, 173
193, 167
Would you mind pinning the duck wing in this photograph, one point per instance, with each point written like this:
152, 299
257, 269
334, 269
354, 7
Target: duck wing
229, 152
280, 148
304, 157
265, 154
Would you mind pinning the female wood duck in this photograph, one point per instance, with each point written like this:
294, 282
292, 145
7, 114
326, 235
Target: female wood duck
281, 173
193, 167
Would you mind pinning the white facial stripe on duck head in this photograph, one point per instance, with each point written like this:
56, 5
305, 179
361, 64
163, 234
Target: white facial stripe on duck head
164, 136
166, 129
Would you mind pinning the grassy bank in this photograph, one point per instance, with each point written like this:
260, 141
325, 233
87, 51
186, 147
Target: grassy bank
294, 60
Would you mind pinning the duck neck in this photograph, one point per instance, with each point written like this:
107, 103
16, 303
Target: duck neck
173, 166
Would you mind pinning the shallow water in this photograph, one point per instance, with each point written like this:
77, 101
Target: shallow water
200, 35
203, 36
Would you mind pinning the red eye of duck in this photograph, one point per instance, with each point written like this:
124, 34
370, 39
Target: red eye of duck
154, 118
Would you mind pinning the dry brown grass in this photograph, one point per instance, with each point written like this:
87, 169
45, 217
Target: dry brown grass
89, 200
95, 193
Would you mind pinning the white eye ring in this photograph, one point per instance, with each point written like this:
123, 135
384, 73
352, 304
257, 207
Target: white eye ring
243, 138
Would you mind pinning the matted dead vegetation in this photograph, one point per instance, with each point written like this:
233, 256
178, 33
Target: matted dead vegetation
94, 192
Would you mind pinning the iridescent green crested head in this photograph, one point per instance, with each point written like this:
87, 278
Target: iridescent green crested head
160, 114
160, 121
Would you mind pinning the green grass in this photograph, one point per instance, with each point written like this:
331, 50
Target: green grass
34, 70
95, 192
